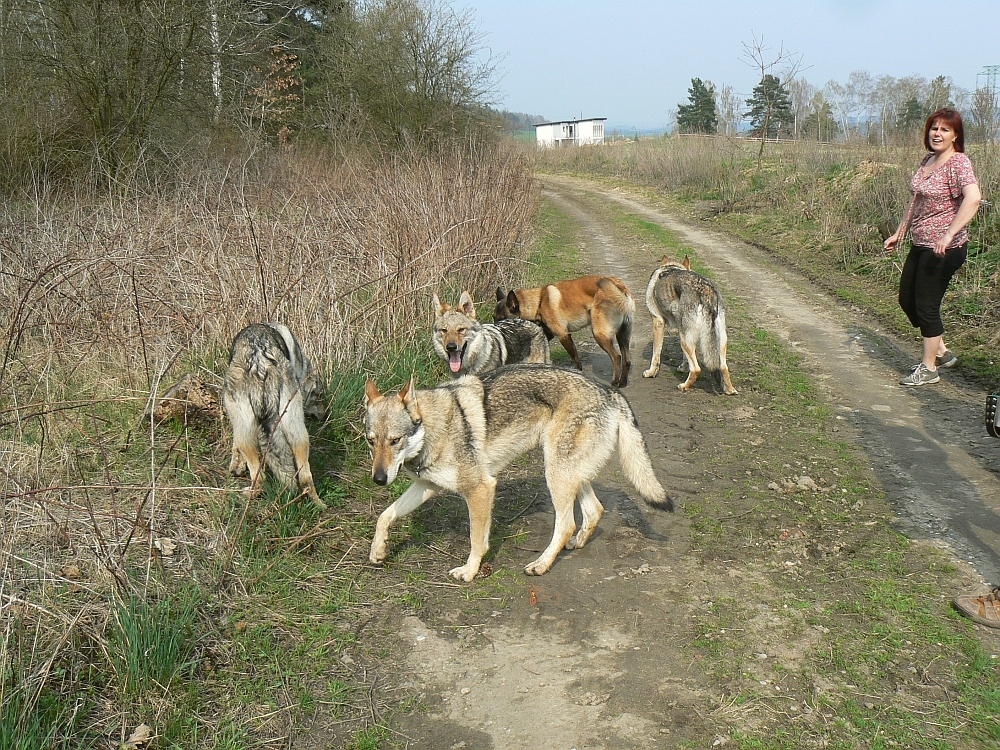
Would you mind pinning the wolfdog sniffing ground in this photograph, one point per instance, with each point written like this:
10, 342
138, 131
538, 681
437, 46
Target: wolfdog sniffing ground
602, 302
268, 388
689, 304
471, 347
456, 437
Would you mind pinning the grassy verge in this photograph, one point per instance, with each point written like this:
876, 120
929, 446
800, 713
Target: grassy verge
226, 625
826, 627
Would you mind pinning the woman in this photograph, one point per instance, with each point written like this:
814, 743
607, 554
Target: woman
945, 198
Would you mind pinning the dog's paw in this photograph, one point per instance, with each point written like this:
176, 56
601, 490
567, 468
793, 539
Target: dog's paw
652, 372
314, 496
537, 568
464, 573
573, 543
377, 554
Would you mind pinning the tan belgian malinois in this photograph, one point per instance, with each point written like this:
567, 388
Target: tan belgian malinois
601, 302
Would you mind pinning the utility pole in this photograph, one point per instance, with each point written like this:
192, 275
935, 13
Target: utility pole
989, 76
986, 103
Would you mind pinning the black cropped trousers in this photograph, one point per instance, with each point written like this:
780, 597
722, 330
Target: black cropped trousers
923, 284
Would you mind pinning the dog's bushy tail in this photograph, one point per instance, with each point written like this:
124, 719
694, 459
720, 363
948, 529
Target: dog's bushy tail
713, 339
635, 461
616, 290
269, 378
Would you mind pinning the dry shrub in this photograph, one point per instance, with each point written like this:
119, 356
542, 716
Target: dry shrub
346, 254
110, 299
106, 296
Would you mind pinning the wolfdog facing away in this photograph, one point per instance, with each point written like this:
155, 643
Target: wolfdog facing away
472, 348
268, 388
458, 436
689, 304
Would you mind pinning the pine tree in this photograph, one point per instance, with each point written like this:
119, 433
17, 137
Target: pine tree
698, 116
770, 112
911, 115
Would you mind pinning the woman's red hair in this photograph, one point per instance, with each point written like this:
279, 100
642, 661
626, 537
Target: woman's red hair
953, 120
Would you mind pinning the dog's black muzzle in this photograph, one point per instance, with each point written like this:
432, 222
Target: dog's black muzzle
380, 478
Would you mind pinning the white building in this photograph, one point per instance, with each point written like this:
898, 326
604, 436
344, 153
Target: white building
570, 132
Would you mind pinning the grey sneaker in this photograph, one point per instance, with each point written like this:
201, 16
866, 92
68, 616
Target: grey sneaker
921, 376
946, 360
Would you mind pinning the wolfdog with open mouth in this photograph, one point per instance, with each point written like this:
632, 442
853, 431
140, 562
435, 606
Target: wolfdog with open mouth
471, 347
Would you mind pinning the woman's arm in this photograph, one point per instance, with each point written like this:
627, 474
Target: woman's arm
971, 197
890, 244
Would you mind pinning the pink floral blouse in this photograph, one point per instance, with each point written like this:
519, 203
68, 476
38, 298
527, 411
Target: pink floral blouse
938, 197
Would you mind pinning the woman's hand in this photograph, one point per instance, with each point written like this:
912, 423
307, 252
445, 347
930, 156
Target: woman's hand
941, 246
890, 244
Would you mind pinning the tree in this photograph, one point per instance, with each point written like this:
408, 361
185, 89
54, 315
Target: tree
861, 88
408, 71
841, 99
110, 69
820, 123
770, 112
985, 115
885, 104
939, 94
728, 110
802, 93
770, 106
698, 116
911, 115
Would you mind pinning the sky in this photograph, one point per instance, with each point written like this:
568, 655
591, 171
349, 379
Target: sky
632, 61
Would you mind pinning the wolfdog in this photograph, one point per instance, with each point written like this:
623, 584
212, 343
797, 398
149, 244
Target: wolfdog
689, 304
456, 437
269, 387
602, 302
471, 347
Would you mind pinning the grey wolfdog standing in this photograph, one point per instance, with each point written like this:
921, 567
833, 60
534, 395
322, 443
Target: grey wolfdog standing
689, 304
456, 437
471, 347
269, 387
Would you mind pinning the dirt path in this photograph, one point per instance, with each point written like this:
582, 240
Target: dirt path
929, 446
599, 655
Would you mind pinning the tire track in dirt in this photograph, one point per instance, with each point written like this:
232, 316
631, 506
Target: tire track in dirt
928, 446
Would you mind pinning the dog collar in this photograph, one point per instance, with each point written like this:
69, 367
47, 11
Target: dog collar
418, 464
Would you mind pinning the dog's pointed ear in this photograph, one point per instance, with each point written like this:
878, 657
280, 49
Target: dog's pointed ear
372, 394
687, 263
501, 294
465, 302
439, 309
408, 393
664, 260
512, 304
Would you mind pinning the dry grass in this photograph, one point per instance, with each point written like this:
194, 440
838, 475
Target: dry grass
110, 299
